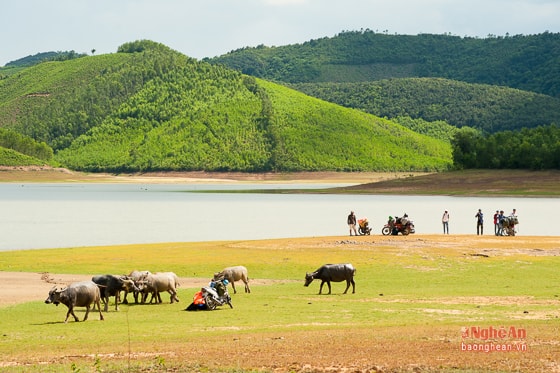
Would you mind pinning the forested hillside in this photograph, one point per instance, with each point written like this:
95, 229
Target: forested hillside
481, 106
149, 108
526, 62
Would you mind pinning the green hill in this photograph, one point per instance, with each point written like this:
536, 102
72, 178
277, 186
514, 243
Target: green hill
492, 84
148, 107
12, 158
526, 62
485, 107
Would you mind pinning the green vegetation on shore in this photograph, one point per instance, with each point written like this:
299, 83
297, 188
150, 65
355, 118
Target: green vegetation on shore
407, 295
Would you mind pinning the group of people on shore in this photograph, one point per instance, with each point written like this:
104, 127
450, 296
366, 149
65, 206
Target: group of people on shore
499, 222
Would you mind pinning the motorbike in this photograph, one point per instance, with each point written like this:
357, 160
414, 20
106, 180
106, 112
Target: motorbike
213, 300
403, 225
363, 227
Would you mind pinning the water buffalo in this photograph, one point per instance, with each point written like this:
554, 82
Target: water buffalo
334, 273
233, 274
138, 277
77, 294
111, 286
155, 283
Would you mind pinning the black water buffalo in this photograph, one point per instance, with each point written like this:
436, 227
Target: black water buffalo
138, 277
233, 274
111, 286
155, 283
78, 294
334, 273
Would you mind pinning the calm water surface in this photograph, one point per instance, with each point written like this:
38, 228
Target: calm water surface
71, 215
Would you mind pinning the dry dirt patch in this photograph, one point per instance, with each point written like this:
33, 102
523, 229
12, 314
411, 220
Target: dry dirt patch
19, 287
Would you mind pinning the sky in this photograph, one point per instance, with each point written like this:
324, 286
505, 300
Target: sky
209, 28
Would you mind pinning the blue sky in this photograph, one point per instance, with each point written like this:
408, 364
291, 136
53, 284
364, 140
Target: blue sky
208, 28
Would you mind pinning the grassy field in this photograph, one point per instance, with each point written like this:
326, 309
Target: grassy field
414, 297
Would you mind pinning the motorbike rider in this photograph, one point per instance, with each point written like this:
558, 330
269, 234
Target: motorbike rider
220, 286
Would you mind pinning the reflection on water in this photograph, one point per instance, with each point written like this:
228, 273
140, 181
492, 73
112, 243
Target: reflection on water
69, 215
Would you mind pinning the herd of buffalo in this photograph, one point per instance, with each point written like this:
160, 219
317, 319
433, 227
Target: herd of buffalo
144, 283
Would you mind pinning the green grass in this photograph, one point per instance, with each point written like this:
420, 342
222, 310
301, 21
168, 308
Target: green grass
396, 287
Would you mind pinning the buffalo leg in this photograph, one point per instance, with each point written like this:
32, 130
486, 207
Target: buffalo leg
87, 313
71, 312
347, 286
99, 308
106, 302
233, 287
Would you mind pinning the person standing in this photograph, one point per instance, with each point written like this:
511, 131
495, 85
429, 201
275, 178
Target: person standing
445, 222
513, 217
501, 223
496, 225
352, 223
479, 222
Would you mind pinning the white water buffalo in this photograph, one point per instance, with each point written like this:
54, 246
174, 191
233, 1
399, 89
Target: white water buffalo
111, 286
77, 294
155, 283
233, 274
138, 277
334, 273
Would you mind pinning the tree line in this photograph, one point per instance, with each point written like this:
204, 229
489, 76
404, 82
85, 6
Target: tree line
536, 148
481, 106
23, 144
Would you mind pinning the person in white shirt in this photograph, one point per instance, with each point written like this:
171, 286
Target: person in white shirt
445, 222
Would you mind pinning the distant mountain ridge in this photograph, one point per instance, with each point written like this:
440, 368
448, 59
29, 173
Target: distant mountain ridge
526, 62
491, 84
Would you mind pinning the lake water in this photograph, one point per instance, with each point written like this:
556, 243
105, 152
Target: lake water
36, 216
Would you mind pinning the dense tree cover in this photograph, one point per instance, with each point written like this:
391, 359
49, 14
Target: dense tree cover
536, 148
484, 107
12, 158
55, 102
23, 144
526, 62
438, 129
150, 108
43, 57
215, 119
312, 135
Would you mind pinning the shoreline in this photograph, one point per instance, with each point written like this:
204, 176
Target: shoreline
471, 183
49, 174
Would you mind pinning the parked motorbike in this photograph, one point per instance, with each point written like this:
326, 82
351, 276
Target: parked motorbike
213, 300
363, 227
403, 225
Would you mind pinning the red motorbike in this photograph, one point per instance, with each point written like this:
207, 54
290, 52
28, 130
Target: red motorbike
403, 225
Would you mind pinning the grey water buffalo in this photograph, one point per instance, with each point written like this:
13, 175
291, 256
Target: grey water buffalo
156, 283
77, 294
334, 273
111, 286
233, 274
138, 277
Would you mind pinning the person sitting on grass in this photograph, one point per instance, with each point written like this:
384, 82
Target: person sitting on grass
198, 302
